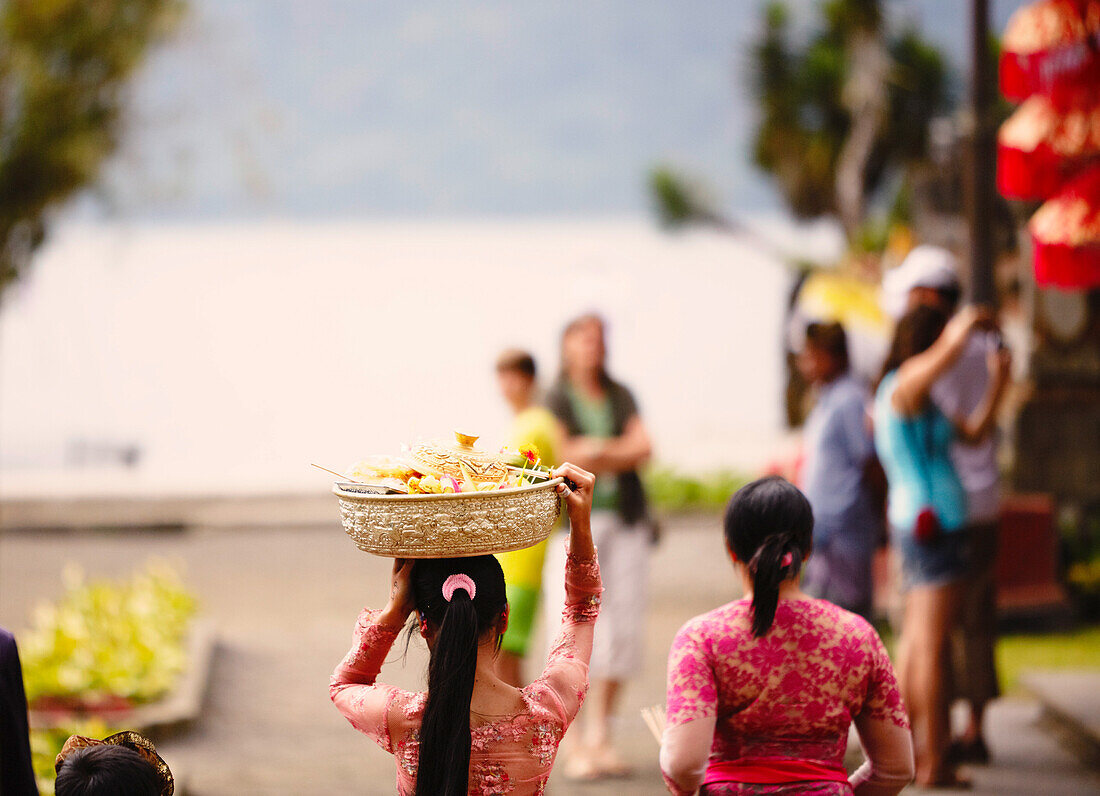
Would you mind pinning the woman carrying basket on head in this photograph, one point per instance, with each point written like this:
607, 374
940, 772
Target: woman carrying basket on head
475, 733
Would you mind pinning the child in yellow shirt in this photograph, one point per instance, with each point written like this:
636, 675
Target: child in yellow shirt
531, 425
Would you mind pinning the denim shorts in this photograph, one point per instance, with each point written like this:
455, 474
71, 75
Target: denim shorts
940, 561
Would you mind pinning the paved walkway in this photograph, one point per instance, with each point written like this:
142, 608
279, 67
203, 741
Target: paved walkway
284, 602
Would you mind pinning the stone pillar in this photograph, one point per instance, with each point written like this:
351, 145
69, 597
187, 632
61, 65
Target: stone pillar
1058, 426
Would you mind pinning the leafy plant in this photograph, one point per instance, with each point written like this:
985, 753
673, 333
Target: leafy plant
1017, 653
672, 490
105, 640
1080, 548
679, 201
64, 69
842, 108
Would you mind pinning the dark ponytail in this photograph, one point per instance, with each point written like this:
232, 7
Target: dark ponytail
767, 521
460, 624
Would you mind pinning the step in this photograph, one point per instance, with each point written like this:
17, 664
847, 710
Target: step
1071, 697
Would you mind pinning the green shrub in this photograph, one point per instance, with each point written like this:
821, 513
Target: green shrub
109, 640
670, 490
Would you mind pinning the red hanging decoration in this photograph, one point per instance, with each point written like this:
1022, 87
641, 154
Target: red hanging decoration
1052, 48
1039, 149
1065, 234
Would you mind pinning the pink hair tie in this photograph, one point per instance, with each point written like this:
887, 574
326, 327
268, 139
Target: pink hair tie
458, 581
787, 560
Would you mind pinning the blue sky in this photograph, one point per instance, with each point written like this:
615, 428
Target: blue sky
443, 108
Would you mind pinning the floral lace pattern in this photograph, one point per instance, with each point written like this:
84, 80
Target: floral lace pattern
490, 778
509, 755
791, 694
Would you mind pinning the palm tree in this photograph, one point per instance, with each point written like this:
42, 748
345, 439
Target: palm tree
843, 110
680, 201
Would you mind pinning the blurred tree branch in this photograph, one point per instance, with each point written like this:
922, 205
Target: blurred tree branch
680, 201
64, 69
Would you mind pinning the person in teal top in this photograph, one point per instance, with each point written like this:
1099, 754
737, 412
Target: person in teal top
595, 417
916, 456
927, 511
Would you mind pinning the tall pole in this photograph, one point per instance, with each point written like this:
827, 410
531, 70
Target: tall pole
982, 163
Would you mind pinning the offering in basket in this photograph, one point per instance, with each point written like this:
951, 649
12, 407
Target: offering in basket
444, 500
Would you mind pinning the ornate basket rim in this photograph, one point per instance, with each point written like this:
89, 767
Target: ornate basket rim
394, 525
368, 498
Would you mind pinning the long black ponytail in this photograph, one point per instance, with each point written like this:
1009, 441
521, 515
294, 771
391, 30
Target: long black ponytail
459, 624
767, 521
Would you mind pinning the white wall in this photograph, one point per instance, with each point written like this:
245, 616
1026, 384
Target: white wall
235, 355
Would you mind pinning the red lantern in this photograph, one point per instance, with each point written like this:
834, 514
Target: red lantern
1065, 233
1039, 149
1051, 48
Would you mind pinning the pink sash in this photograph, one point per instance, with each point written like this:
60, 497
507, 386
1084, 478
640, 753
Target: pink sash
773, 771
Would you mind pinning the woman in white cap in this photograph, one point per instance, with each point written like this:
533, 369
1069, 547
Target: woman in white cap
927, 511
929, 277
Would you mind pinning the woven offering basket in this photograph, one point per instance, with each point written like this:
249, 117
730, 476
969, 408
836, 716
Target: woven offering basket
449, 525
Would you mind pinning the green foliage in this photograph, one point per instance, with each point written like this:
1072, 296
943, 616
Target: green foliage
673, 491
1084, 577
678, 201
107, 639
1018, 652
872, 236
804, 122
918, 91
64, 68
1076, 649
1081, 555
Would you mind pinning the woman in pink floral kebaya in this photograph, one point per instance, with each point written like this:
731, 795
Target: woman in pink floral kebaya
761, 691
471, 732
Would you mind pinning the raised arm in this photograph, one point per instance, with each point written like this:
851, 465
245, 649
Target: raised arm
353, 687
976, 427
918, 373
566, 672
578, 505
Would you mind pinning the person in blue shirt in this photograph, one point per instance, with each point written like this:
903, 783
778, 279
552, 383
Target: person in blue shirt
838, 474
927, 510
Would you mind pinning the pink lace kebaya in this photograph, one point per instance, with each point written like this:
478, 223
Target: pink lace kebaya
782, 702
509, 755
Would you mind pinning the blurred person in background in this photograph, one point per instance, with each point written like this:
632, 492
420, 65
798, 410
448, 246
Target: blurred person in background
603, 432
746, 711
123, 764
929, 277
16, 772
839, 473
532, 425
927, 511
